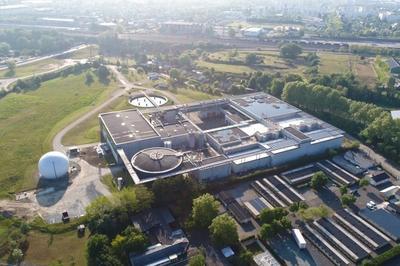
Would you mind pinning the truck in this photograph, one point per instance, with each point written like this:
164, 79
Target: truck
301, 242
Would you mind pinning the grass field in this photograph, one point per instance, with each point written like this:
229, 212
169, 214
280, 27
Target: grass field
29, 121
89, 130
189, 95
34, 68
92, 50
330, 63
64, 249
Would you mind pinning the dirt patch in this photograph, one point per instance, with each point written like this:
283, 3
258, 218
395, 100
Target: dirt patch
366, 73
91, 156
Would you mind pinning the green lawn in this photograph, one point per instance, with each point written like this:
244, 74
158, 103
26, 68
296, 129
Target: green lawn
334, 63
225, 67
34, 68
89, 130
382, 70
29, 121
189, 95
66, 248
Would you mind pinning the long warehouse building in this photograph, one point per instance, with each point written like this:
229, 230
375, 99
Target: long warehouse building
214, 139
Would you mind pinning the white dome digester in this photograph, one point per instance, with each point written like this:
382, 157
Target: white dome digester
53, 165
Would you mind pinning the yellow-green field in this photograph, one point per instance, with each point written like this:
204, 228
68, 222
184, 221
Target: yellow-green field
29, 121
330, 63
34, 68
92, 50
64, 249
189, 95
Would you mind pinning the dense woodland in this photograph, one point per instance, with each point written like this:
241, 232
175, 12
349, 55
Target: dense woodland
32, 42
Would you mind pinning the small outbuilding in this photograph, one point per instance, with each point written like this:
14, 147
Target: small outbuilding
379, 178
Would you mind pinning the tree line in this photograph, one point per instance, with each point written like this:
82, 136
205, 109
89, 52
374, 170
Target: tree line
372, 123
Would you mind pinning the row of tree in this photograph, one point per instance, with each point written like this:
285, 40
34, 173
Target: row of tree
32, 42
371, 122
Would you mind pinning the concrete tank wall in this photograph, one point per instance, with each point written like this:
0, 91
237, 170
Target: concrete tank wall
252, 165
213, 173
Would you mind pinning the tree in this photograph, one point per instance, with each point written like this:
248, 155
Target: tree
318, 180
205, 209
98, 252
286, 223
89, 79
223, 230
269, 215
171, 190
103, 74
290, 50
197, 260
251, 59
4, 49
245, 258
363, 182
277, 87
231, 32
347, 199
11, 68
266, 232
185, 60
130, 240
343, 190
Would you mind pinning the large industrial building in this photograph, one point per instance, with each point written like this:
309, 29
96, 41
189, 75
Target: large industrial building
214, 139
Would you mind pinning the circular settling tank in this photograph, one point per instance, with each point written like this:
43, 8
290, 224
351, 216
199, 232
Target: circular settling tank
143, 101
156, 160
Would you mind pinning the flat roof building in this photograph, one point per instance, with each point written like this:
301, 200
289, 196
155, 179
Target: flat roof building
214, 139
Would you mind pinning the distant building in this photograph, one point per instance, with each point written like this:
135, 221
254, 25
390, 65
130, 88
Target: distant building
182, 27
394, 66
252, 32
161, 254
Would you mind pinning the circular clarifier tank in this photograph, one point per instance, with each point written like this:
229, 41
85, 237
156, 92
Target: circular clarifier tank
155, 161
144, 102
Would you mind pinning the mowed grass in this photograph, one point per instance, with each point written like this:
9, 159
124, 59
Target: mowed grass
334, 63
29, 121
227, 68
189, 95
64, 249
89, 130
34, 68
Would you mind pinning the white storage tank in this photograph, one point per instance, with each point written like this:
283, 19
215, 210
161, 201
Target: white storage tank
53, 165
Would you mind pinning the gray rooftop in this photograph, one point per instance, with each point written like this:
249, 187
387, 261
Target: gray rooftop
127, 126
265, 106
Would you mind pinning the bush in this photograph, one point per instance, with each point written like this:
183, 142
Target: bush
384, 257
318, 180
314, 213
197, 260
347, 199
